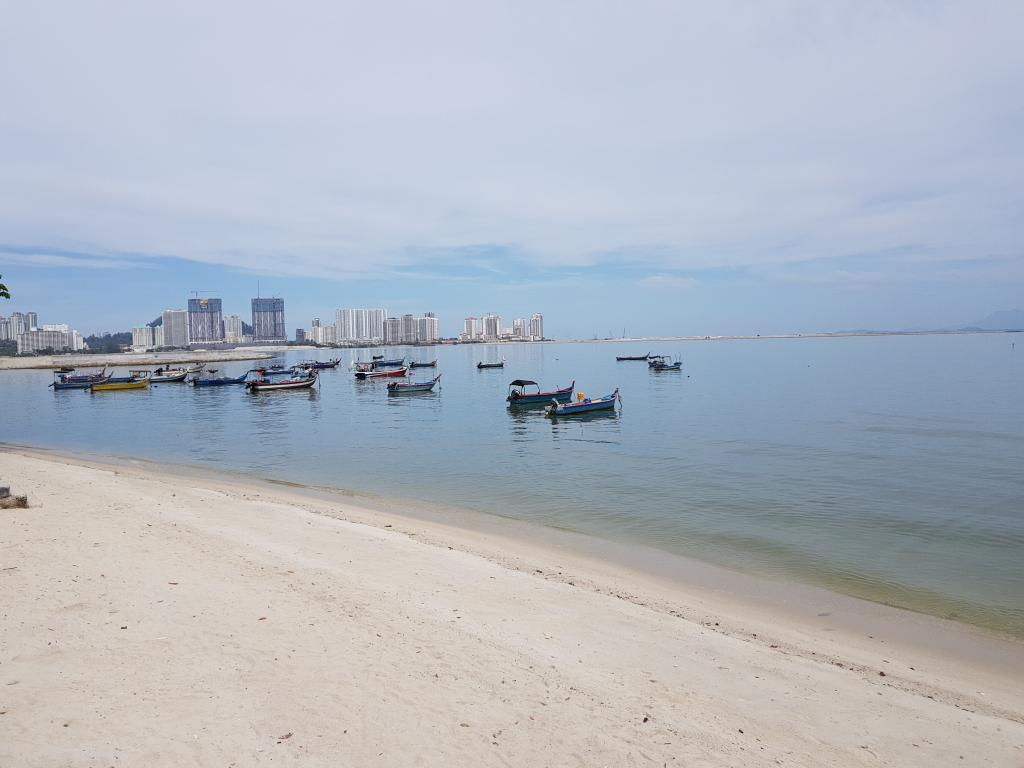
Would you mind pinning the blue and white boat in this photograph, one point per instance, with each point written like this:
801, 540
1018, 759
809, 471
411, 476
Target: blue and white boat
583, 405
404, 388
220, 381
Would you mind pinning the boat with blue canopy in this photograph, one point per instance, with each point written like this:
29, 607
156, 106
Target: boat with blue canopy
583, 404
519, 393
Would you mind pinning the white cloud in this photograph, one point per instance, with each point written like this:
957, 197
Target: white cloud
349, 139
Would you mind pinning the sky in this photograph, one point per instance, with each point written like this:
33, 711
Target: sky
641, 168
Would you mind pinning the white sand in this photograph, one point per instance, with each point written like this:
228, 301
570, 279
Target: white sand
151, 620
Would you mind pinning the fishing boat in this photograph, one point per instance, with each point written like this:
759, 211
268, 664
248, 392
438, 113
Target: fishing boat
301, 380
320, 365
194, 369
403, 388
378, 357
138, 380
396, 373
662, 363
67, 369
84, 381
583, 404
382, 363
519, 394
481, 366
219, 381
634, 357
267, 372
362, 365
168, 375
431, 364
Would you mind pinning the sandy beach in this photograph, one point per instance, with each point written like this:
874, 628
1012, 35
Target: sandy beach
161, 618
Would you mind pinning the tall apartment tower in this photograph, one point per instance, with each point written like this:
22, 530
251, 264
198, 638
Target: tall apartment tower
31, 321
175, 328
268, 320
205, 321
537, 326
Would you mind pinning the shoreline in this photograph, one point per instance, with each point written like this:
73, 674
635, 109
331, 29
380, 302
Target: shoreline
123, 359
166, 617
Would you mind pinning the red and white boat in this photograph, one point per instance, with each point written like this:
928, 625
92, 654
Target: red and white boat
385, 374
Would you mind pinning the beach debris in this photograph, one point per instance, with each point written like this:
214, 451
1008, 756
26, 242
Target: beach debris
285, 737
12, 502
464, 725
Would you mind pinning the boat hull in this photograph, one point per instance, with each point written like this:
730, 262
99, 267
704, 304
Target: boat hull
423, 365
398, 388
606, 403
542, 398
275, 386
484, 366
73, 384
168, 379
365, 375
218, 382
118, 386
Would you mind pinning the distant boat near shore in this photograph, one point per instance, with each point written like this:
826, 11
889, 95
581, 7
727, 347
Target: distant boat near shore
623, 358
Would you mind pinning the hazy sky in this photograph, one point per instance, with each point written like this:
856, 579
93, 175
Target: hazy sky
660, 167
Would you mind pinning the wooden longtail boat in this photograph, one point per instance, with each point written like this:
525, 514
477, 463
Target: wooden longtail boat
402, 388
431, 364
320, 365
303, 380
518, 394
84, 381
583, 405
118, 386
396, 373
635, 357
388, 363
482, 366
662, 363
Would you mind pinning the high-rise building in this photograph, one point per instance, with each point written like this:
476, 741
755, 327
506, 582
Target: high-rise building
143, 337
537, 326
492, 326
470, 328
393, 330
31, 321
518, 328
18, 325
408, 329
360, 324
426, 328
268, 320
233, 329
175, 326
5, 329
300, 335
205, 322
56, 338
158, 336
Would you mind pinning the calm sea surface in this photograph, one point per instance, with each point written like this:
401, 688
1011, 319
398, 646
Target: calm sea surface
891, 468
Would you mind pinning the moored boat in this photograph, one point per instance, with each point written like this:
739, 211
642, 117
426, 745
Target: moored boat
132, 382
481, 365
374, 374
301, 380
219, 381
382, 363
662, 363
519, 394
403, 388
633, 357
194, 369
583, 404
168, 375
431, 364
320, 365
62, 380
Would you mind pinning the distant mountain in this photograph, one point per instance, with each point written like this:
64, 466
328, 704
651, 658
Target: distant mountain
1004, 320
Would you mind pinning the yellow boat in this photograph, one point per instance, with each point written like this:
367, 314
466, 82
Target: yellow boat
119, 385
